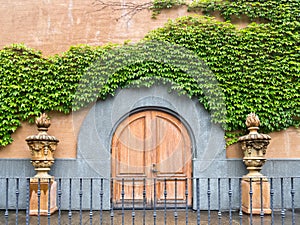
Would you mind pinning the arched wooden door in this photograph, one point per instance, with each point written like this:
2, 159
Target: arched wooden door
154, 148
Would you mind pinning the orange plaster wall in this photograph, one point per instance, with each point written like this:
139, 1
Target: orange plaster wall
283, 145
64, 127
53, 26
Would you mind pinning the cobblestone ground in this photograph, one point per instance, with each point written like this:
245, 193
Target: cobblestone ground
161, 218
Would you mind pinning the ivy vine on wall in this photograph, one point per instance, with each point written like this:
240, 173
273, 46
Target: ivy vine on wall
257, 68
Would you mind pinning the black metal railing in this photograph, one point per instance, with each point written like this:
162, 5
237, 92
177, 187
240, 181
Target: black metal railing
147, 201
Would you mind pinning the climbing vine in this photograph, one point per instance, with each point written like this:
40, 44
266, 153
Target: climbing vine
256, 68
159, 5
275, 11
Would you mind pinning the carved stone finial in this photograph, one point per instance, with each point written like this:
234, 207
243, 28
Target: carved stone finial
252, 120
43, 122
254, 146
42, 147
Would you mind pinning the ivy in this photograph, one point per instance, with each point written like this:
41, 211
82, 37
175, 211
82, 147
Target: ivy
257, 67
19, 97
232, 72
275, 11
158, 5
149, 63
31, 84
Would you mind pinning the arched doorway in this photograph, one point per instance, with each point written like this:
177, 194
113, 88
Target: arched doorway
155, 149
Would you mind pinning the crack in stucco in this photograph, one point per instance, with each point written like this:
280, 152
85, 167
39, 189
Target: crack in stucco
70, 11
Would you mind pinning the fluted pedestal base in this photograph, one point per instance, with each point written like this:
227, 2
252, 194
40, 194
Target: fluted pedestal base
47, 199
260, 201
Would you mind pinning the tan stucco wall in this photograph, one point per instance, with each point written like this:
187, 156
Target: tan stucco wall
64, 127
284, 144
52, 26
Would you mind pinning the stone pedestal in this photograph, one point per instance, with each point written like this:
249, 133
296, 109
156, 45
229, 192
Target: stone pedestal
257, 194
254, 146
40, 206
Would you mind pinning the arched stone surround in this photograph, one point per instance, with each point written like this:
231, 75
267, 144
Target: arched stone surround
94, 140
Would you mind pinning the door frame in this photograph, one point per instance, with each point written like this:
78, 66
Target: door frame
167, 111
162, 109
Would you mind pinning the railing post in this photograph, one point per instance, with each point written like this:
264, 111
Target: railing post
251, 200
261, 202
80, 201
39, 200
208, 200
175, 210
240, 202
49, 201
59, 193
91, 201
112, 203
17, 200
165, 201
272, 200
154, 206
198, 201
28, 200
186, 201
70, 202
230, 200
133, 195
293, 200
123, 207
282, 202
6, 202
219, 202
101, 201
144, 201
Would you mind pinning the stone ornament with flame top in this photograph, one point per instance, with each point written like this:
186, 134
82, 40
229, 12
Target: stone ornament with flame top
254, 185
254, 146
42, 147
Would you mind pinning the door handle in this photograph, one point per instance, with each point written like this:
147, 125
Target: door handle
154, 168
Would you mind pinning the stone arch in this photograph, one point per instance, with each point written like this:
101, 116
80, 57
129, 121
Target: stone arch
94, 139
96, 132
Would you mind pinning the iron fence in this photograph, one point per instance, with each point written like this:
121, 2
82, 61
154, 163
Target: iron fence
148, 201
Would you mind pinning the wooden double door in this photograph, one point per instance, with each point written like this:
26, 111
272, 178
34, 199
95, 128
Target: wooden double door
154, 148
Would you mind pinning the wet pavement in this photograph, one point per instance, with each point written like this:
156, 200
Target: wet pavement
140, 217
